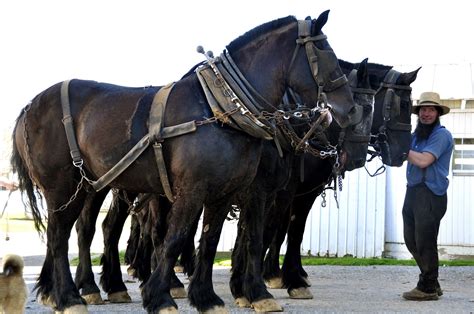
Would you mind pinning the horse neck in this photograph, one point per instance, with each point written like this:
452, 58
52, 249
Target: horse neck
265, 66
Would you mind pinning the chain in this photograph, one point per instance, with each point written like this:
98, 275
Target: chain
323, 198
72, 199
124, 197
218, 116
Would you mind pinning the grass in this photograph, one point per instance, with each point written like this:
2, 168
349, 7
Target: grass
25, 224
223, 259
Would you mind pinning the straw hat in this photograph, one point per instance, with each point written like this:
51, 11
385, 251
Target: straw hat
430, 99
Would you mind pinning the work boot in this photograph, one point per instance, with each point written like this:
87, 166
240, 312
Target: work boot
418, 295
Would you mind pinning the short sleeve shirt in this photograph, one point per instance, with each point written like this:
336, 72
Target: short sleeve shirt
440, 144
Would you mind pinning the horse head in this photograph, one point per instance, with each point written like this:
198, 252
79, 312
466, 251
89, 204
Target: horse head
332, 88
287, 53
357, 136
391, 125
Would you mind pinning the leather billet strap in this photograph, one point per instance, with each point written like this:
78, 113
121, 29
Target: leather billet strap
69, 125
157, 113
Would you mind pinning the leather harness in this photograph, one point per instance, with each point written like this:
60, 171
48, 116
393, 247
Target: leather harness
156, 135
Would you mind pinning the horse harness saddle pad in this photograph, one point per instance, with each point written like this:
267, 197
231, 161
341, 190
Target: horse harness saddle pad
156, 135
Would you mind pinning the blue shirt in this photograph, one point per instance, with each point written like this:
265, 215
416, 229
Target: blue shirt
440, 144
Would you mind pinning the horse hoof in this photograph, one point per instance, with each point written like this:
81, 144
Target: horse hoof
178, 293
242, 302
300, 293
216, 310
179, 269
119, 297
47, 301
274, 283
267, 305
168, 310
75, 309
132, 271
307, 281
93, 299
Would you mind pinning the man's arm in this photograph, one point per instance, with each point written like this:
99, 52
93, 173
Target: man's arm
421, 160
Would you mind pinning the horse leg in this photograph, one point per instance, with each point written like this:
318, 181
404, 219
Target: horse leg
132, 244
201, 292
238, 268
60, 222
111, 279
294, 276
140, 246
156, 291
158, 209
85, 228
276, 228
188, 254
188, 260
253, 285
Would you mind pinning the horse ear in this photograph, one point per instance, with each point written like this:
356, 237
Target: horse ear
410, 77
362, 71
320, 22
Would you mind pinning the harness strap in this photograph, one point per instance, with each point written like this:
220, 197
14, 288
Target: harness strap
69, 125
155, 121
157, 133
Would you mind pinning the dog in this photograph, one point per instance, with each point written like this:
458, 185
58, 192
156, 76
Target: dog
13, 291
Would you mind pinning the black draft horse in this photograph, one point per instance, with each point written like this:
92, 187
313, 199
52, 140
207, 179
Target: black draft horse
272, 169
273, 176
205, 168
390, 136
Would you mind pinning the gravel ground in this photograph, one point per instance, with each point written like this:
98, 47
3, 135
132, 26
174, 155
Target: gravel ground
372, 289
336, 289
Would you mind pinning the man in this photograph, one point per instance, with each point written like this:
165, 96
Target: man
426, 200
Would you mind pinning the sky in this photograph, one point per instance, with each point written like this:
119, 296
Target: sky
144, 42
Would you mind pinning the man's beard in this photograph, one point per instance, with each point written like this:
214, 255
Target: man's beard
423, 131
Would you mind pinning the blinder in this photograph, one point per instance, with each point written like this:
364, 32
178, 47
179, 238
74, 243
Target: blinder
391, 103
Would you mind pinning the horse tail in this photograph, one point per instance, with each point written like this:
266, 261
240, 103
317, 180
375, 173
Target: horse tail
25, 184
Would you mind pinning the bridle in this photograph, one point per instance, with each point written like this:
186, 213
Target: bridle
360, 92
305, 39
390, 114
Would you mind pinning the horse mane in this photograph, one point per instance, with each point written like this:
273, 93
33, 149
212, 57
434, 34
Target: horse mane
376, 71
258, 31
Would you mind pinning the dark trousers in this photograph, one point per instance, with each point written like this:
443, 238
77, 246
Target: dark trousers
422, 213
